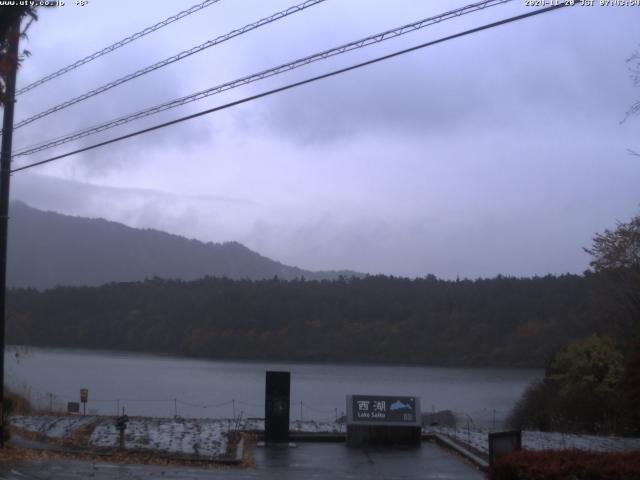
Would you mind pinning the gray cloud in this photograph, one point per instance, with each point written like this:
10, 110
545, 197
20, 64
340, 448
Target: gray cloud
200, 216
490, 86
497, 153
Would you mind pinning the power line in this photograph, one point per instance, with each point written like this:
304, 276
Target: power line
121, 43
208, 405
167, 61
370, 40
297, 84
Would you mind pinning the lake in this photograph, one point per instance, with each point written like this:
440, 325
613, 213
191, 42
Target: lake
162, 386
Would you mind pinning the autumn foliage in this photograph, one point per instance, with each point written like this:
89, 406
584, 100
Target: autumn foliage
582, 392
567, 465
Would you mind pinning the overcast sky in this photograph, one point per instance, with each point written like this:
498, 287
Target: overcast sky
499, 152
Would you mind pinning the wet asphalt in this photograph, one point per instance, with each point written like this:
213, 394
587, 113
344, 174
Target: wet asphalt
305, 461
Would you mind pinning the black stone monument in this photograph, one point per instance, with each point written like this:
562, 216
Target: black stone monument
276, 407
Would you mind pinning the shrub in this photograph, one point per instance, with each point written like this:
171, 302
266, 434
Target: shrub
581, 392
632, 382
535, 409
13, 403
567, 465
16, 403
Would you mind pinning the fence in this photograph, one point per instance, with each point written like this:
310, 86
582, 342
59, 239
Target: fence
486, 419
52, 402
468, 427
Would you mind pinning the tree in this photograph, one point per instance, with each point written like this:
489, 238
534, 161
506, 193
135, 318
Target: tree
616, 253
619, 248
8, 18
634, 68
632, 383
581, 391
588, 375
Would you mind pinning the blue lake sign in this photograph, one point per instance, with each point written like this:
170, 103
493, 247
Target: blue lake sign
383, 420
383, 409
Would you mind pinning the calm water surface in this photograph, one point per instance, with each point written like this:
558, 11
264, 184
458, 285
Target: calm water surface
163, 386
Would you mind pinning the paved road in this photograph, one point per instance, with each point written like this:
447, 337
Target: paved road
306, 461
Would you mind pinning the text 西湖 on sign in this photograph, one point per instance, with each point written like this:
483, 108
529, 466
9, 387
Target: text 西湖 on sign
374, 408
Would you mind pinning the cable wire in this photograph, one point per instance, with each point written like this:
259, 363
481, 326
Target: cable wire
317, 410
115, 46
146, 400
297, 84
208, 405
370, 40
167, 61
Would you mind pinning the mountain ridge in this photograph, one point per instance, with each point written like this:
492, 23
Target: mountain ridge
48, 249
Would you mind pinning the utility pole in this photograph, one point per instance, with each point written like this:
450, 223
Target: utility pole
13, 38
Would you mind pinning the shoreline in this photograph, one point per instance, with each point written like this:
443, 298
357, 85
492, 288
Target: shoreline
241, 360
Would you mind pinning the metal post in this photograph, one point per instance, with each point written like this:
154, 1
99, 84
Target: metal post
13, 37
175, 407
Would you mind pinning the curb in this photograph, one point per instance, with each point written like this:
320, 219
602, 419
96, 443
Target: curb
451, 445
42, 445
237, 460
302, 437
317, 437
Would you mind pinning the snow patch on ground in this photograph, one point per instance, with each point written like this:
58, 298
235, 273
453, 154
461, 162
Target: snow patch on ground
479, 439
52, 426
208, 437
310, 426
200, 437
317, 427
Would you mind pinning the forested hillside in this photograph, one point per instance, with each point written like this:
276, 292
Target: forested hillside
47, 249
501, 321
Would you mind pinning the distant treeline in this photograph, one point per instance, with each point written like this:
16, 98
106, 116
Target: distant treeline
494, 322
